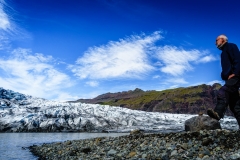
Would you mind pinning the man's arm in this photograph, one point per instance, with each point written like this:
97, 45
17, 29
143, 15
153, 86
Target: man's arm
235, 55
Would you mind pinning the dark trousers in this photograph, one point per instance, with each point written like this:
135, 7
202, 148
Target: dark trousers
228, 95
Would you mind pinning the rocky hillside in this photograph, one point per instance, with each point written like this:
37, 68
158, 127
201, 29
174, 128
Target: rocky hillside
189, 100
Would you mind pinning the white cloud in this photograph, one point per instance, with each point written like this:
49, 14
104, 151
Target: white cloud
92, 83
4, 19
177, 61
215, 81
173, 86
9, 30
32, 74
156, 76
4, 41
125, 58
63, 97
206, 59
5, 27
177, 81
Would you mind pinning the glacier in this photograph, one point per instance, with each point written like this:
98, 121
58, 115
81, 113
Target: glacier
25, 113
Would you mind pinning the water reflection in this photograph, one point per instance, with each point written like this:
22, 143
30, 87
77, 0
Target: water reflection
13, 146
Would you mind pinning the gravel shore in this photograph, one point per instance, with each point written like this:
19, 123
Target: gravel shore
205, 144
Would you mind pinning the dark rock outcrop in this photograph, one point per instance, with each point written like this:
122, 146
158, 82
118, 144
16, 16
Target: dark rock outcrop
200, 123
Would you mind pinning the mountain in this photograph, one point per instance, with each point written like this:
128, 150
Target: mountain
189, 100
24, 113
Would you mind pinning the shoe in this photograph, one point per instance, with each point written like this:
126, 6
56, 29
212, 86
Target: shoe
213, 114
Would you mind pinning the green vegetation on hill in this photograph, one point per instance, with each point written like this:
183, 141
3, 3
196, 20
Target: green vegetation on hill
193, 99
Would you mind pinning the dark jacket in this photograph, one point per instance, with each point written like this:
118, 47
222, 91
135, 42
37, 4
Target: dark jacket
230, 60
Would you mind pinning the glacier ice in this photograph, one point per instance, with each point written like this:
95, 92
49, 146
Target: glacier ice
24, 113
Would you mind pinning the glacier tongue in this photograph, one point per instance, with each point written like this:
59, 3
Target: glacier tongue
21, 113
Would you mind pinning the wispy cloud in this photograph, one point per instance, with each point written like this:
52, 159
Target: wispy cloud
206, 59
4, 18
23, 71
4, 41
136, 57
176, 61
92, 83
32, 74
156, 76
177, 81
173, 82
9, 29
124, 58
5, 26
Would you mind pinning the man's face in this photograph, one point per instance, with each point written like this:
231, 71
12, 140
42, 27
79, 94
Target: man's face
219, 42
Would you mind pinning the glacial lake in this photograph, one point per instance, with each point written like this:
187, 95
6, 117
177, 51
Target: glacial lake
13, 146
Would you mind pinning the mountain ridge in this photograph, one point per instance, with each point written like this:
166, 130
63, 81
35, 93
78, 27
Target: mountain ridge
184, 100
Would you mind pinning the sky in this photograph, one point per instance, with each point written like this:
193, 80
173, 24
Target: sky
67, 50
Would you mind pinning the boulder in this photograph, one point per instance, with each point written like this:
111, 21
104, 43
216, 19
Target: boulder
136, 131
200, 123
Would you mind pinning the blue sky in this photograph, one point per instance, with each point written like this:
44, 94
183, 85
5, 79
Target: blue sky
66, 50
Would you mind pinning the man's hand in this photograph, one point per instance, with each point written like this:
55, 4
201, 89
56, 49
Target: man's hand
232, 75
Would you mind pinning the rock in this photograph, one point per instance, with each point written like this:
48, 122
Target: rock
235, 156
184, 146
200, 123
137, 131
206, 157
86, 150
201, 155
68, 142
174, 153
131, 154
207, 141
144, 155
127, 147
112, 152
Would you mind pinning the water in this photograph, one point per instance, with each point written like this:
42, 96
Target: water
13, 145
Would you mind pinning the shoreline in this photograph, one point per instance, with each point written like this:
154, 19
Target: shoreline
103, 131
205, 144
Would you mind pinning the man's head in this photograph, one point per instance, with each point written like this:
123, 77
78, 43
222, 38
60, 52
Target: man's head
221, 40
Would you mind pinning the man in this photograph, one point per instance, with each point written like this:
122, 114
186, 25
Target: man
228, 94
